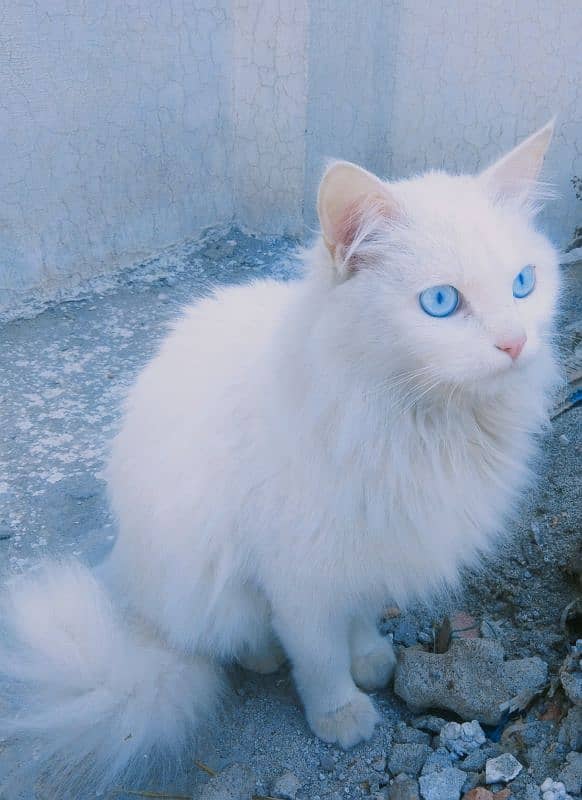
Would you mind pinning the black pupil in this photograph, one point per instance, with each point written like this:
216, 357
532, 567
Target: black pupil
440, 297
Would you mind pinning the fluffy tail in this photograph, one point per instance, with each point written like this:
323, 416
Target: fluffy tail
89, 693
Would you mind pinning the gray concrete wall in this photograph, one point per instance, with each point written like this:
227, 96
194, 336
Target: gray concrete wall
125, 127
115, 134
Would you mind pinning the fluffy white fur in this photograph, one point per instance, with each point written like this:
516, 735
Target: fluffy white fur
295, 456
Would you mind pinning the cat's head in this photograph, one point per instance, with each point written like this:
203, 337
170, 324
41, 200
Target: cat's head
446, 272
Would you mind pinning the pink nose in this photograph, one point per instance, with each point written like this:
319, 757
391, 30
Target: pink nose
512, 347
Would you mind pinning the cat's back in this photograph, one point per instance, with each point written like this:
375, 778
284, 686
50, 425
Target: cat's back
200, 388
213, 345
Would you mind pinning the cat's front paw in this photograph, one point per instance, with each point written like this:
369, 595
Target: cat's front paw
374, 669
351, 723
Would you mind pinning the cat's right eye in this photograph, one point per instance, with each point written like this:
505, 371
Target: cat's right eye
439, 301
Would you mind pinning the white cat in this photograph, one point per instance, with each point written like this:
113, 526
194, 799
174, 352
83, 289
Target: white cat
295, 456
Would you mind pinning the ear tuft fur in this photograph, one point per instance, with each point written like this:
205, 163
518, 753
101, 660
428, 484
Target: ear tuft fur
351, 203
515, 175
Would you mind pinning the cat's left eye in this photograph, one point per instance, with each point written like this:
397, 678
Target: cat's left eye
524, 282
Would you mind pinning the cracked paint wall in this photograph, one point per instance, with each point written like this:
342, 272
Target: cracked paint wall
126, 127
115, 134
473, 77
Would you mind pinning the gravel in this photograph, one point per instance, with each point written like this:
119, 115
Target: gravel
235, 782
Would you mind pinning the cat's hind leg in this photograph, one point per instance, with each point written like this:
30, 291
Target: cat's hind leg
372, 655
260, 650
265, 656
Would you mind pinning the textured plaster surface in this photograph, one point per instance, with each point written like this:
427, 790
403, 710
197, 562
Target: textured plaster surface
270, 95
115, 134
474, 78
351, 58
125, 127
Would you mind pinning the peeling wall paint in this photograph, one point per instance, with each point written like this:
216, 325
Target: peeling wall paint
115, 134
125, 127
473, 78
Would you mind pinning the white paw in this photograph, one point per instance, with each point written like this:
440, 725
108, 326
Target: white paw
351, 723
265, 662
373, 670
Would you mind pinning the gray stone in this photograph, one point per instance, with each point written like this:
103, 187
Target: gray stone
570, 734
408, 758
502, 769
462, 739
379, 764
327, 763
475, 761
571, 677
553, 790
404, 789
235, 782
471, 678
444, 785
406, 735
437, 761
286, 786
571, 773
406, 633
429, 723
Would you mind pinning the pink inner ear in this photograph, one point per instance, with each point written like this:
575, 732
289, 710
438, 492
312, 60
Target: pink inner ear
367, 211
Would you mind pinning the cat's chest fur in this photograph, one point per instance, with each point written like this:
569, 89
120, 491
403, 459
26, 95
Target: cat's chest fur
396, 509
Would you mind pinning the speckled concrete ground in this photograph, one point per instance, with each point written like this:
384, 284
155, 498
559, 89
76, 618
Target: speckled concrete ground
63, 373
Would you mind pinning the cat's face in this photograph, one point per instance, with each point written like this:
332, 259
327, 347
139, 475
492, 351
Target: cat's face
448, 272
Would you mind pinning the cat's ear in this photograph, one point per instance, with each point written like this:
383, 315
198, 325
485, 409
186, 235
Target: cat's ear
515, 175
350, 202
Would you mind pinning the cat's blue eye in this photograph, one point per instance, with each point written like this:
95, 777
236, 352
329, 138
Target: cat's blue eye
439, 301
524, 282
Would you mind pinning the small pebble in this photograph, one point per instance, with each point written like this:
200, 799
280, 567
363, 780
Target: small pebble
462, 739
502, 769
445, 785
406, 735
327, 763
404, 788
464, 626
286, 786
478, 793
408, 758
429, 723
571, 774
564, 439
406, 633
